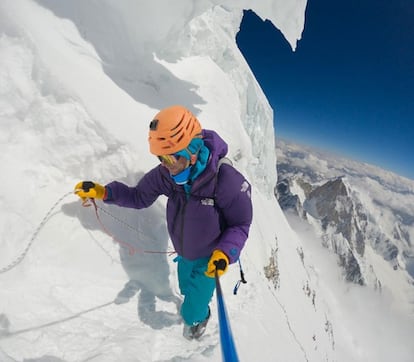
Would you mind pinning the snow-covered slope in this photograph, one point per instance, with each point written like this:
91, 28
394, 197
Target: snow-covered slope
80, 81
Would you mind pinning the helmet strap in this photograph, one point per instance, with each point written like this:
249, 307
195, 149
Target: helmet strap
193, 159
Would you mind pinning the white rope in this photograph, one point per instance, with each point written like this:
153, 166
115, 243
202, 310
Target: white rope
20, 258
122, 222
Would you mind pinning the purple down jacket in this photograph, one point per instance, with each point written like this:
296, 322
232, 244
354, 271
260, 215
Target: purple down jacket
215, 215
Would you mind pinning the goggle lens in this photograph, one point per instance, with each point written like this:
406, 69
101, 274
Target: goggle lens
168, 159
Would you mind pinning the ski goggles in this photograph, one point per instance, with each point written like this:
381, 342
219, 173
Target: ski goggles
169, 159
173, 159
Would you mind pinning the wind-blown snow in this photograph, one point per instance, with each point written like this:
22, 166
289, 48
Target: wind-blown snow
79, 83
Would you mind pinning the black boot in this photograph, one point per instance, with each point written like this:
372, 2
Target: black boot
196, 331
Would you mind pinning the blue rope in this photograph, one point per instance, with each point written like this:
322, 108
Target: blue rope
228, 349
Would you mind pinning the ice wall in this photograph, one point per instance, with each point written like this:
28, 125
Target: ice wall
130, 47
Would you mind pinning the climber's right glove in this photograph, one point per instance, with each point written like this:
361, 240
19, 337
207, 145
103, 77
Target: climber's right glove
90, 190
218, 262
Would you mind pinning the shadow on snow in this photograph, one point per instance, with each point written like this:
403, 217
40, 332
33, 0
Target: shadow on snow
148, 273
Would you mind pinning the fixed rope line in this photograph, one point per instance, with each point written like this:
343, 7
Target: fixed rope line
289, 325
20, 258
117, 219
8, 334
131, 249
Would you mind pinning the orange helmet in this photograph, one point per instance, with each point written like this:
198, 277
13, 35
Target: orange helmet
172, 130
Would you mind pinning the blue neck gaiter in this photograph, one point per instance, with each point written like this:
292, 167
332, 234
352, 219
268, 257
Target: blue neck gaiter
182, 177
188, 175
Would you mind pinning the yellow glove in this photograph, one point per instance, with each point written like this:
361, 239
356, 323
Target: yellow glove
90, 190
219, 261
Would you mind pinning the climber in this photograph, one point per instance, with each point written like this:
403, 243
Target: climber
209, 209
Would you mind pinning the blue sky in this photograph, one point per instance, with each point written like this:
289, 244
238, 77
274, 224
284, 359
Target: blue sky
349, 86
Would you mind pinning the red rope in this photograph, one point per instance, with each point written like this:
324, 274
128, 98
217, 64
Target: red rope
131, 249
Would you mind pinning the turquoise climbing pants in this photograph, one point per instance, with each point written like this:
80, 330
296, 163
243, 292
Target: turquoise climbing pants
196, 288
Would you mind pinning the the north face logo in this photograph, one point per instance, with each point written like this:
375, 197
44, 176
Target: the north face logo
245, 187
207, 202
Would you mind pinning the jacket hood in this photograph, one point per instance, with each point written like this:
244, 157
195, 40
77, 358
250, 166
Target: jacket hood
217, 146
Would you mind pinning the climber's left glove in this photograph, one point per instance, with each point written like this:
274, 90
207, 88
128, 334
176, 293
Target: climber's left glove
219, 261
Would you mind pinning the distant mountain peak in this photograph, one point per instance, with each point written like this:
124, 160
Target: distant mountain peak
357, 210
